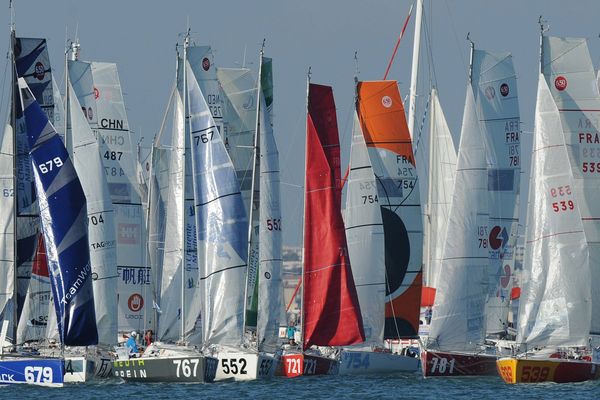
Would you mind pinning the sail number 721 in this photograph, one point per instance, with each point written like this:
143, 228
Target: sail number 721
47, 166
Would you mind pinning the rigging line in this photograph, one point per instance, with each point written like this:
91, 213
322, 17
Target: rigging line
398, 42
460, 48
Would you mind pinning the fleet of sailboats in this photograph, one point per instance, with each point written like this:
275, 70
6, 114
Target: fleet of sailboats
89, 257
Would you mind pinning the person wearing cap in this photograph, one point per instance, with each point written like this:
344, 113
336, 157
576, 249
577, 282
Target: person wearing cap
131, 344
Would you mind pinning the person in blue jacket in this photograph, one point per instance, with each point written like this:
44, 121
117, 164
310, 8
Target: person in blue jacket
131, 344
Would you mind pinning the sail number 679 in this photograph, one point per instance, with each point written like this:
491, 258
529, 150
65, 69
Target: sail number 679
50, 164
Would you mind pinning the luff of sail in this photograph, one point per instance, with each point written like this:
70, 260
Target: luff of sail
571, 78
7, 226
442, 164
221, 226
555, 301
365, 236
101, 220
383, 123
495, 89
458, 319
331, 313
270, 286
63, 216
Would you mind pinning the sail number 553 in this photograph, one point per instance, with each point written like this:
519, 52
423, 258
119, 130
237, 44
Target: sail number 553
47, 166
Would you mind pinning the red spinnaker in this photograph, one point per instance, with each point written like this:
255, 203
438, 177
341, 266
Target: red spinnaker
331, 314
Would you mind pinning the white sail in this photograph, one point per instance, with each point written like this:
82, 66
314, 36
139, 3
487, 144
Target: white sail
555, 300
177, 232
240, 98
442, 164
270, 285
458, 321
7, 227
221, 226
365, 236
99, 92
101, 220
570, 75
495, 89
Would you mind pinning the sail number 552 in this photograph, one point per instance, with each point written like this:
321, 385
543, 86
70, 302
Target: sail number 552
47, 166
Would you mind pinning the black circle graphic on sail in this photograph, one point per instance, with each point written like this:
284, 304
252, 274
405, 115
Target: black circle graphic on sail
397, 250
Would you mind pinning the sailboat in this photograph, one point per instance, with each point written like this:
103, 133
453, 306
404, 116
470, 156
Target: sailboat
472, 301
97, 87
177, 355
330, 308
557, 321
384, 231
20, 227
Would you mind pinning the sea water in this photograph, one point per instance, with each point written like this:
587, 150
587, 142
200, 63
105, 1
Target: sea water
398, 386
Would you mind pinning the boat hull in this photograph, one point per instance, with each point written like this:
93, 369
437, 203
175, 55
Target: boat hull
32, 371
243, 366
81, 369
296, 364
440, 363
189, 369
354, 362
527, 370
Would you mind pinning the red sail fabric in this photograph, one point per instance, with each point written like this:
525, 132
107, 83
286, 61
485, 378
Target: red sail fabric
40, 261
331, 314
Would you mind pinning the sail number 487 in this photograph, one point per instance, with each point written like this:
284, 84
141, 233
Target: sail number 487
47, 166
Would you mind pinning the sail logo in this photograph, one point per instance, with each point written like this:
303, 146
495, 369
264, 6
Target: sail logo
78, 284
205, 64
96, 93
560, 83
504, 90
135, 302
129, 233
386, 101
39, 71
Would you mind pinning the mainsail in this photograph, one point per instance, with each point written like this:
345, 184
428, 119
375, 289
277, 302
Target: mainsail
570, 75
63, 216
100, 217
98, 90
365, 236
458, 320
221, 226
331, 313
383, 124
555, 302
442, 171
495, 89
270, 287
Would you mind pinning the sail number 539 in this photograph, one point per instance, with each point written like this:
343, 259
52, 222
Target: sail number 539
47, 166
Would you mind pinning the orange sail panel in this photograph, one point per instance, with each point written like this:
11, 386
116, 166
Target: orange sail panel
383, 123
331, 313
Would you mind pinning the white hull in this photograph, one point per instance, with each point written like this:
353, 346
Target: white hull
245, 366
356, 362
84, 368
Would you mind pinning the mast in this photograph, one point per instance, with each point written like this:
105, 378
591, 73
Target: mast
472, 46
186, 42
308, 74
255, 150
415, 69
542, 30
427, 219
13, 121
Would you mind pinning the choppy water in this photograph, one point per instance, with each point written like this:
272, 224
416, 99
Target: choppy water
319, 387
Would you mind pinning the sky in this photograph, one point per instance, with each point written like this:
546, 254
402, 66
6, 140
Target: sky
140, 36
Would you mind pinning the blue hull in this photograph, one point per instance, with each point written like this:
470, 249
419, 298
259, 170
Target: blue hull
32, 371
